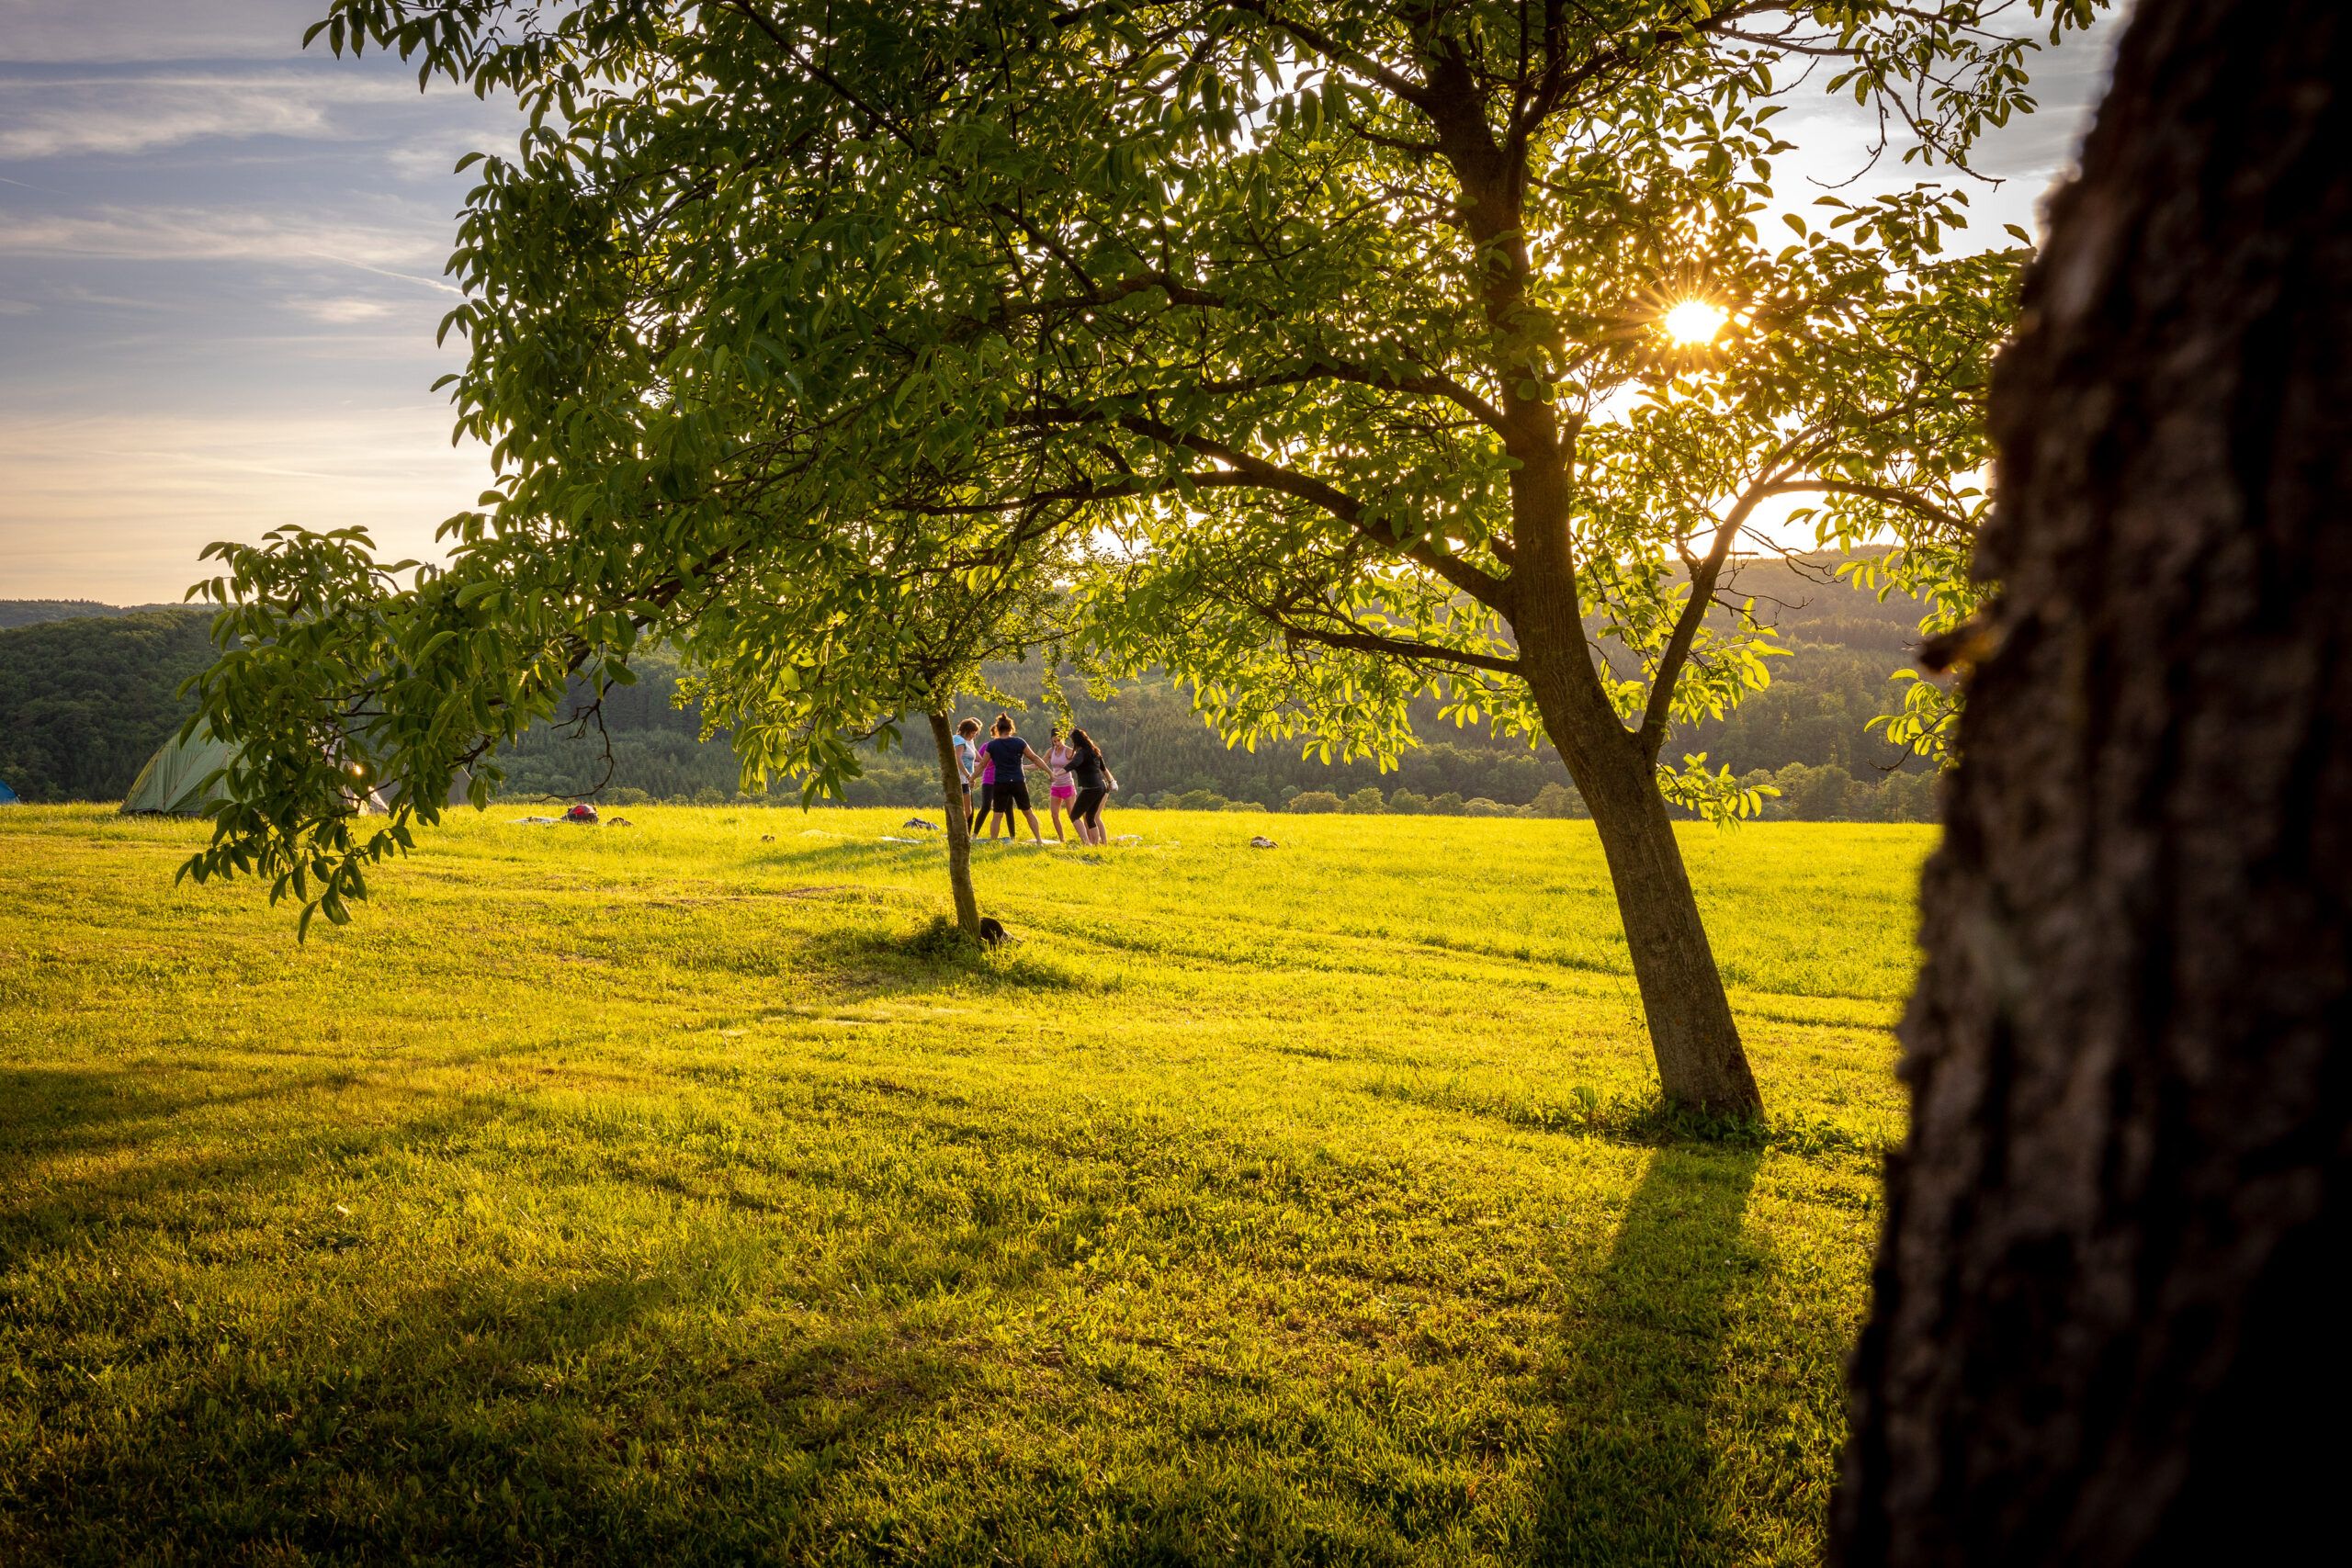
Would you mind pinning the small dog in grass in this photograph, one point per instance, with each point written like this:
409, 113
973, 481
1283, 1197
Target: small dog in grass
992, 931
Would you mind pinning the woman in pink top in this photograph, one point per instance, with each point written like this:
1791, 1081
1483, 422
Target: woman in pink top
1058, 774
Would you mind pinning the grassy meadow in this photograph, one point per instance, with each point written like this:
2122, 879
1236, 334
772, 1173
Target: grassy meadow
638, 1194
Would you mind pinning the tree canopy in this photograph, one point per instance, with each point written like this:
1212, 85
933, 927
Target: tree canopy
1354, 350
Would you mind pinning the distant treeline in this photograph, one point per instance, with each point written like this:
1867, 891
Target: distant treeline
32, 612
1816, 712
85, 696
1804, 735
1826, 793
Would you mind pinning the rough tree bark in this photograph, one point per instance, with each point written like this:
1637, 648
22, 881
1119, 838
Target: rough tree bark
959, 828
2105, 1328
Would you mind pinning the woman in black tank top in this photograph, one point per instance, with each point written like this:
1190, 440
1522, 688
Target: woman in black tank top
1092, 774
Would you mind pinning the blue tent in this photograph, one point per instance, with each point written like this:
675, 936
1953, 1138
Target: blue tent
7, 796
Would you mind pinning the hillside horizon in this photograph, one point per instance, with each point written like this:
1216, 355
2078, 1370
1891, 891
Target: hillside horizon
88, 689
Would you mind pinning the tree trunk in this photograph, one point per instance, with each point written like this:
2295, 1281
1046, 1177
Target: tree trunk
2106, 1326
1700, 1059
959, 831
1701, 1062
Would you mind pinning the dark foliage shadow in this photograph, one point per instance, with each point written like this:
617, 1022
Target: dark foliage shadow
71, 1113
51, 1113
500, 1419
1632, 1475
1647, 1120
54, 1111
500, 1415
913, 956
676, 1405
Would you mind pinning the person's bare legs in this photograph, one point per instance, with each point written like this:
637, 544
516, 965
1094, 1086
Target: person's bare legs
1057, 823
1033, 830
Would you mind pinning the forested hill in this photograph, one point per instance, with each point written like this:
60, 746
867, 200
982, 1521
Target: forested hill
1844, 645
86, 698
86, 695
1803, 600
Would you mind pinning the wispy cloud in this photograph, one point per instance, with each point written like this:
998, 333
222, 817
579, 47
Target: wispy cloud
413, 255
220, 273
112, 30
43, 118
343, 311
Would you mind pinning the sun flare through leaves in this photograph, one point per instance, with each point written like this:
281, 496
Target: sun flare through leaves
1693, 323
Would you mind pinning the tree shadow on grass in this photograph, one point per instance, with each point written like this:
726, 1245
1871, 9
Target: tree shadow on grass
71, 1113
1633, 1476
898, 957
53, 1113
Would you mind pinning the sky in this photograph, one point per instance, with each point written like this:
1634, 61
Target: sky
220, 275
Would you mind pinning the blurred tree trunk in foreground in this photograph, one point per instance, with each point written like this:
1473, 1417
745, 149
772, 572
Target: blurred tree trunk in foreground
2107, 1328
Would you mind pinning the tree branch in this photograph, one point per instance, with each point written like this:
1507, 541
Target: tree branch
1320, 368
1909, 501
1492, 592
1652, 735
1431, 384
1330, 49
1705, 574
1088, 491
753, 14
1405, 647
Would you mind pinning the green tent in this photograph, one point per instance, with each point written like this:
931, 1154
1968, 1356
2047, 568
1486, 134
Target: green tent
172, 784
173, 781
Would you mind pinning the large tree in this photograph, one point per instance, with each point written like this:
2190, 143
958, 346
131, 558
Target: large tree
1370, 348
2108, 1322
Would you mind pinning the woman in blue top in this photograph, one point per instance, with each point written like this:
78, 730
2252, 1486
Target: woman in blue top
1010, 754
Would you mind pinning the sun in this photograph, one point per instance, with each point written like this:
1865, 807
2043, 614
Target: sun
1695, 322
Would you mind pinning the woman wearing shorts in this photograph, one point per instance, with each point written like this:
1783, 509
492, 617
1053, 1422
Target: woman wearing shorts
1057, 778
1007, 754
1094, 779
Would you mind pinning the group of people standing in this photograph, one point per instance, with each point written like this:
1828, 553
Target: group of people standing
1076, 777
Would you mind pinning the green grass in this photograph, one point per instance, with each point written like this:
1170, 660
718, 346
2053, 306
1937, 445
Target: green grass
632, 1195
